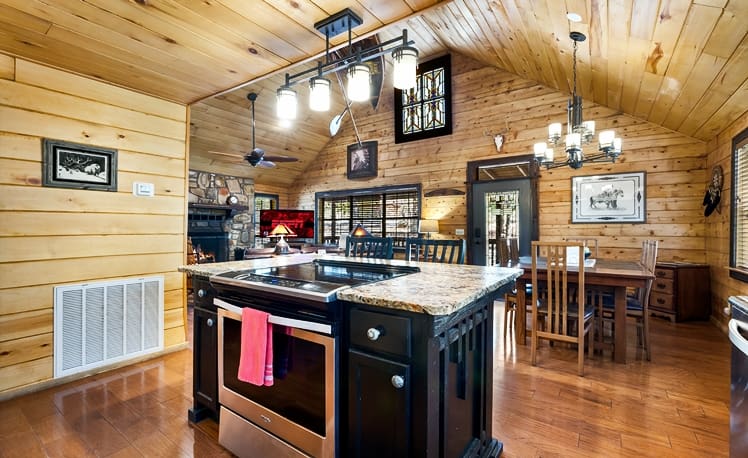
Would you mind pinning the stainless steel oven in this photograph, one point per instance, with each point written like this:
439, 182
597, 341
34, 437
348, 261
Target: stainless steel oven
296, 416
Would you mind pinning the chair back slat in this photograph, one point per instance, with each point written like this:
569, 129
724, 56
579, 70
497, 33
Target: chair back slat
589, 242
369, 247
435, 250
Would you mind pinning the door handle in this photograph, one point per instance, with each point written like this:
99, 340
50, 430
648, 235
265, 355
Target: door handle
477, 232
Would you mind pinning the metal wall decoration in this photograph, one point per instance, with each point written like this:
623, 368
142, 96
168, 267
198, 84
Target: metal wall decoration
73, 165
613, 198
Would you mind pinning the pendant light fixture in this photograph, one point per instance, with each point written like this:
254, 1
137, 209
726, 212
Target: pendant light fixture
578, 132
404, 55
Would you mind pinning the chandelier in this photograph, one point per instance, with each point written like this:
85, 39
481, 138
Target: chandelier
578, 133
404, 56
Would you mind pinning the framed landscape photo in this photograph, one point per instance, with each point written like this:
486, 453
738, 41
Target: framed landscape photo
72, 165
362, 160
612, 198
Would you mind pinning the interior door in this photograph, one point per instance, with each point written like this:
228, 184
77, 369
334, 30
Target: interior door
502, 208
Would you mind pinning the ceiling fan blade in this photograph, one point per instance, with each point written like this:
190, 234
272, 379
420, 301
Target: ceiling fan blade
280, 158
266, 164
223, 153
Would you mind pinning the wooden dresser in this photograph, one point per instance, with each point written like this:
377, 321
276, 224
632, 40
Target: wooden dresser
681, 291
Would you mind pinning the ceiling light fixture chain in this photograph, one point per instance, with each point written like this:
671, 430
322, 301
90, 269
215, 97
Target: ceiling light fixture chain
578, 131
405, 60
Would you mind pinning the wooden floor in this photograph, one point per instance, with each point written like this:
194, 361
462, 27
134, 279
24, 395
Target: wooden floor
677, 405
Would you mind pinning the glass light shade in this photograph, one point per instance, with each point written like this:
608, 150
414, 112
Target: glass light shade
358, 82
285, 107
405, 61
540, 149
573, 141
548, 156
589, 130
617, 144
606, 139
554, 132
319, 94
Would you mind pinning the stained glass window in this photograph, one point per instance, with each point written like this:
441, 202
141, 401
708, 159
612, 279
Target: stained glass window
424, 111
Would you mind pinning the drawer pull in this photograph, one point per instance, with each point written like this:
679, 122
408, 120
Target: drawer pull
660, 300
209, 322
201, 293
374, 333
661, 285
660, 273
398, 381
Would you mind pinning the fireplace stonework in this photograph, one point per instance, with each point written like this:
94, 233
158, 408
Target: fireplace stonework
214, 189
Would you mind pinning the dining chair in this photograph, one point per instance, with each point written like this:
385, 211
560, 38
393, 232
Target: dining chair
637, 305
566, 319
435, 250
589, 242
369, 247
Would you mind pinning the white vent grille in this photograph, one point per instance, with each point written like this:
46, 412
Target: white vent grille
107, 322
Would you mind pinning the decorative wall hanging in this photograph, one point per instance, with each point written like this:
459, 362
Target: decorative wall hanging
714, 192
72, 165
613, 198
362, 160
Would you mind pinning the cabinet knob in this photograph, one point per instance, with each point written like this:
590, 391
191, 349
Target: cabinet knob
209, 322
661, 285
374, 333
398, 381
201, 293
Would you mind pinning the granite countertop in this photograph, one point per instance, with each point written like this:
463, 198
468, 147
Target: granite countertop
438, 289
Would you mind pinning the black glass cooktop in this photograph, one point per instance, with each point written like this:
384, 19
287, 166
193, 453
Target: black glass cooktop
318, 280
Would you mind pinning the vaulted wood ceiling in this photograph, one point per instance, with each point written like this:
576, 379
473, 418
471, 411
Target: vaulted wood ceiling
682, 64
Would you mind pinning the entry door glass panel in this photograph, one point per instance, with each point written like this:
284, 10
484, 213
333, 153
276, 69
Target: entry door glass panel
298, 391
500, 209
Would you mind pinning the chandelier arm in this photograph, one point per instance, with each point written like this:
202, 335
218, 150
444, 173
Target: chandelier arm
348, 105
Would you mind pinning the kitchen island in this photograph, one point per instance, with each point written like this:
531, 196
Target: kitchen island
413, 359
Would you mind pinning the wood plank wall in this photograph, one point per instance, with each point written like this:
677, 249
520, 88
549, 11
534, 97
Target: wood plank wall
718, 227
488, 101
53, 236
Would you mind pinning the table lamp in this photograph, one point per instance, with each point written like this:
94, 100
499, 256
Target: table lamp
281, 247
359, 231
428, 227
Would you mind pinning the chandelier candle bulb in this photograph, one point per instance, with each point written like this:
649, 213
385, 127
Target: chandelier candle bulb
358, 82
319, 94
573, 141
606, 139
589, 130
554, 132
540, 149
548, 157
286, 103
405, 61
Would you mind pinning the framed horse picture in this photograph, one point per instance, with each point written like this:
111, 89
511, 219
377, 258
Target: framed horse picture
611, 198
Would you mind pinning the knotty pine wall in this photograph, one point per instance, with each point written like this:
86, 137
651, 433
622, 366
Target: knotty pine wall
54, 236
487, 101
718, 227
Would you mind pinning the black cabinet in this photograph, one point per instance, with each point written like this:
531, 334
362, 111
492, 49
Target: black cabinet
204, 353
419, 385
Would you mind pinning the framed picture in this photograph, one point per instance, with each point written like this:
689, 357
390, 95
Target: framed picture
72, 165
613, 198
362, 160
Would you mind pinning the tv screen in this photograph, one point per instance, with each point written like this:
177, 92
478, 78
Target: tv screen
299, 221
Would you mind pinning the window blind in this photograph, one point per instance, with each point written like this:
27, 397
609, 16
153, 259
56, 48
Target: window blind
739, 221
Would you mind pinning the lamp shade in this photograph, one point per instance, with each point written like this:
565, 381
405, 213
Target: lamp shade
405, 63
280, 230
319, 94
359, 231
358, 82
285, 103
428, 226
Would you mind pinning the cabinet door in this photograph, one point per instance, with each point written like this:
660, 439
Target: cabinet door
205, 363
378, 407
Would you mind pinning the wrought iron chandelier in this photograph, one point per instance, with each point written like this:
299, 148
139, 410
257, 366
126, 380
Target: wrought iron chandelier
578, 133
404, 56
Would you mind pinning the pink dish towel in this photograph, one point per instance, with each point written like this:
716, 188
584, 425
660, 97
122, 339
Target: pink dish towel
256, 358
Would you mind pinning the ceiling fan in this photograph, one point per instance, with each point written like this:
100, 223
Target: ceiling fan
257, 157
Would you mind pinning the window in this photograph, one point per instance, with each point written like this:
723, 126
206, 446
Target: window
425, 111
263, 202
391, 211
739, 221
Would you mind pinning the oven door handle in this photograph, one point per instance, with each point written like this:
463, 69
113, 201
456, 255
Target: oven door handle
280, 321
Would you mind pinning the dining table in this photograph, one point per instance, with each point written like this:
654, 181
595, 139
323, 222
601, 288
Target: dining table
604, 276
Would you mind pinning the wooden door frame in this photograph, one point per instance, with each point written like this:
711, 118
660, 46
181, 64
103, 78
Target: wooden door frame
472, 178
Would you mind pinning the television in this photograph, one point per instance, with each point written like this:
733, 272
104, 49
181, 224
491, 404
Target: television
299, 221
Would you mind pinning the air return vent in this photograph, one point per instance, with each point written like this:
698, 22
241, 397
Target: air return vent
97, 324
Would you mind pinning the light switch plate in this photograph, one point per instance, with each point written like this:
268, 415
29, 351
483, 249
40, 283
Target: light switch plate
459, 231
143, 189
